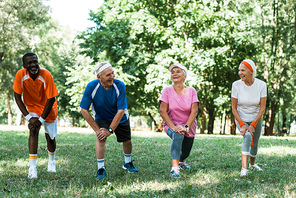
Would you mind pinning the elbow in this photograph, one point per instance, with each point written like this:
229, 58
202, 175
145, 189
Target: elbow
161, 111
82, 111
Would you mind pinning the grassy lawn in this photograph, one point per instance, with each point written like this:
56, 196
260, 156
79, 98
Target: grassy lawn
215, 161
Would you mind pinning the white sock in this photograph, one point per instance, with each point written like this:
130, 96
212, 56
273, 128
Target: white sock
101, 163
127, 158
51, 155
33, 160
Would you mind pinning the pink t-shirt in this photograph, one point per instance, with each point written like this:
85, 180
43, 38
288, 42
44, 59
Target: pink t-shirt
179, 107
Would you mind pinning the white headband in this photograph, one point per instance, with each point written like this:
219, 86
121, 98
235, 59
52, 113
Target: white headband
100, 68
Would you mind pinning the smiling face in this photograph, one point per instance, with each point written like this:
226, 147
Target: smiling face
106, 77
177, 75
244, 73
32, 65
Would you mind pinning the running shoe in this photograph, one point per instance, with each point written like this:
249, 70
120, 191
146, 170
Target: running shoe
51, 167
32, 173
255, 167
184, 165
244, 173
101, 173
130, 167
175, 173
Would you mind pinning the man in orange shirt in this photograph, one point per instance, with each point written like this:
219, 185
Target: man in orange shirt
39, 106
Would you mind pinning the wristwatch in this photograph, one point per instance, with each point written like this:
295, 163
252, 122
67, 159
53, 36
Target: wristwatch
110, 130
187, 128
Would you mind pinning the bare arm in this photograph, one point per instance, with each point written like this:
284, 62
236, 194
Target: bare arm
262, 105
20, 104
262, 109
243, 128
24, 110
163, 111
116, 119
90, 120
193, 114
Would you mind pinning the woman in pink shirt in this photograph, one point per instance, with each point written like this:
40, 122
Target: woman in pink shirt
179, 108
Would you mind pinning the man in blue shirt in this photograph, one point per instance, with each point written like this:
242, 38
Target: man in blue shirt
108, 99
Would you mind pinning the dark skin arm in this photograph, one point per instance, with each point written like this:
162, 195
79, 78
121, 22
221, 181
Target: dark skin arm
34, 122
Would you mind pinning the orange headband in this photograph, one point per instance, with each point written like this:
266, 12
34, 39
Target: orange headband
248, 65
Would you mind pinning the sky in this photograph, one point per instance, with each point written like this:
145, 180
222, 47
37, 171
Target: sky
73, 13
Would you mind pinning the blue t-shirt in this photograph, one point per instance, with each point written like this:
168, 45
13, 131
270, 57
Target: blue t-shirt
105, 103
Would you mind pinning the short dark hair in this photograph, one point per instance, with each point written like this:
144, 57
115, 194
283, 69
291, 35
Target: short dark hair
28, 54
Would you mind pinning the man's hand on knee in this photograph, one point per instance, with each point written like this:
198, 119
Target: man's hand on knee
103, 134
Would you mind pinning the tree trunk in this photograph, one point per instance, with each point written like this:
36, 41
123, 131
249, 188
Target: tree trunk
272, 112
203, 120
225, 122
211, 119
9, 112
284, 125
232, 125
267, 123
221, 124
151, 117
73, 121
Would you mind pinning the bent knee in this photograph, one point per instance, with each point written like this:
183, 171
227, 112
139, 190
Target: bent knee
248, 135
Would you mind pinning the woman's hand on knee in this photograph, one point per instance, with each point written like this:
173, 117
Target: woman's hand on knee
251, 129
243, 130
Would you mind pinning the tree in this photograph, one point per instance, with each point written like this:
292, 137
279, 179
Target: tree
278, 40
18, 20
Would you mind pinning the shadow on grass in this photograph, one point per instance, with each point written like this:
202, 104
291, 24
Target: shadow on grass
215, 163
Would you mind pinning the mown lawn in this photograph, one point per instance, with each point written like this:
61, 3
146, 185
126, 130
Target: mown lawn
215, 161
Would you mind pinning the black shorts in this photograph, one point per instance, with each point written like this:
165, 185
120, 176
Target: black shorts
122, 132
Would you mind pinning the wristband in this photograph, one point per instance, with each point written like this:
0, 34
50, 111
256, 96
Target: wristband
41, 120
254, 124
28, 117
241, 123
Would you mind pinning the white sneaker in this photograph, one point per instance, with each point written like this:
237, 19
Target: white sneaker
51, 167
32, 173
244, 172
255, 167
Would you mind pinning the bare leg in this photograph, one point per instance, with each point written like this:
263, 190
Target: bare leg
175, 163
33, 140
51, 144
127, 147
245, 161
252, 160
100, 149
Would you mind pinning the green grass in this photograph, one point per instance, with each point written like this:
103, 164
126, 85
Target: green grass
215, 162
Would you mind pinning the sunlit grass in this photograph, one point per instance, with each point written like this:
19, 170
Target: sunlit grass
215, 162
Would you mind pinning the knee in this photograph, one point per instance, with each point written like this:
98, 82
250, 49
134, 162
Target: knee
129, 142
178, 136
248, 135
34, 132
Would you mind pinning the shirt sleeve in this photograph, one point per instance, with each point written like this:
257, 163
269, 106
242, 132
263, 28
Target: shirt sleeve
51, 89
263, 92
164, 96
194, 97
234, 93
121, 100
17, 85
86, 100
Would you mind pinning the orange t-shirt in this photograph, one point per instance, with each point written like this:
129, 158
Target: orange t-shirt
35, 93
